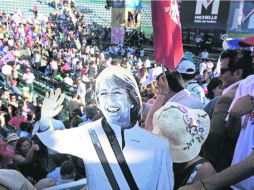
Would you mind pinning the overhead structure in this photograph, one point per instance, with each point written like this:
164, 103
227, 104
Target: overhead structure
125, 14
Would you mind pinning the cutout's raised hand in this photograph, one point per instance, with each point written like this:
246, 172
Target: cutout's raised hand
52, 103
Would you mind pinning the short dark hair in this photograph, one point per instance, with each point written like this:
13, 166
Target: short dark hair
67, 167
58, 159
175, 81
188, 76
213, 84
26, 126
91, 111
239, 59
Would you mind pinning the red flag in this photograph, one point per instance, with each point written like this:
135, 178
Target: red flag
167, 33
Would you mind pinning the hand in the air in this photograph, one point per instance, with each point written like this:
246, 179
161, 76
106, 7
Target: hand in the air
52, 103
163, 84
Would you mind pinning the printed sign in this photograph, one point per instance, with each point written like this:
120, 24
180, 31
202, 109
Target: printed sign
132, 17
117, 35
205, 14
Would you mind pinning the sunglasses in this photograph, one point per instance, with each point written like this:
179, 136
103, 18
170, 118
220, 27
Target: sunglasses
223, 70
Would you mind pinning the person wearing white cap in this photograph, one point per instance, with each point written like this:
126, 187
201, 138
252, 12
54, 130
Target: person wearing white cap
188, 71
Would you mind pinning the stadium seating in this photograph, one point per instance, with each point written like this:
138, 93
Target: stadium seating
26, 6
95, 11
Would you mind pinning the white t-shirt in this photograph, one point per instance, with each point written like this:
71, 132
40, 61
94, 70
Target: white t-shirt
92, 50
243, 149
53, 65
7, 70
245, 142
81, 89
29, 78
68, 81
147, 63
204, 55
87, 49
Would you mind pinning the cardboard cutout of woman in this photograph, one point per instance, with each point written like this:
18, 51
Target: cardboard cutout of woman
117, 153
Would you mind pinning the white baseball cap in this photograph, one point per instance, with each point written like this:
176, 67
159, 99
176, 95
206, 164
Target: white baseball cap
186, 67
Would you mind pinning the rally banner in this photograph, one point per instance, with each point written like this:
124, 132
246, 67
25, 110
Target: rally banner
241, 19
132, 17
117, 17
203, 14
8, 57
167, 33
117, 35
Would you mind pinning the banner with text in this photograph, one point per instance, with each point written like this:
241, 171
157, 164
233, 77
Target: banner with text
204, 14
132, 17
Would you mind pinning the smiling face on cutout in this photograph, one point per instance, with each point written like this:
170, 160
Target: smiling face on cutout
114, 103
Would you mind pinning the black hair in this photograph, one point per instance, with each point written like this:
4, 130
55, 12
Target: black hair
77, 111
175, 81
188, 76
26, 126
239, 59
67, 167
91, 111
214, 83
58, 159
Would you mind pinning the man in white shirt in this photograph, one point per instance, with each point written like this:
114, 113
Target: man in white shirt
54, 66
147, 63
7, 71
68, 80
81, 90
204, 54
117, 135
108, 62
29, 79
188, 71
92, 51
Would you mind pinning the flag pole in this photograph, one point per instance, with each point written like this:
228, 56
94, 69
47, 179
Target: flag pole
163, 67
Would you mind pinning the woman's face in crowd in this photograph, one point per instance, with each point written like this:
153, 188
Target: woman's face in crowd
114, 103
25, 146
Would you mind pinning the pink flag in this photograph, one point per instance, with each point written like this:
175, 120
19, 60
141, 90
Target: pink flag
167, 33
8, 57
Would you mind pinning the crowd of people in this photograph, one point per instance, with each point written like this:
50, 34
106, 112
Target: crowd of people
203, 111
